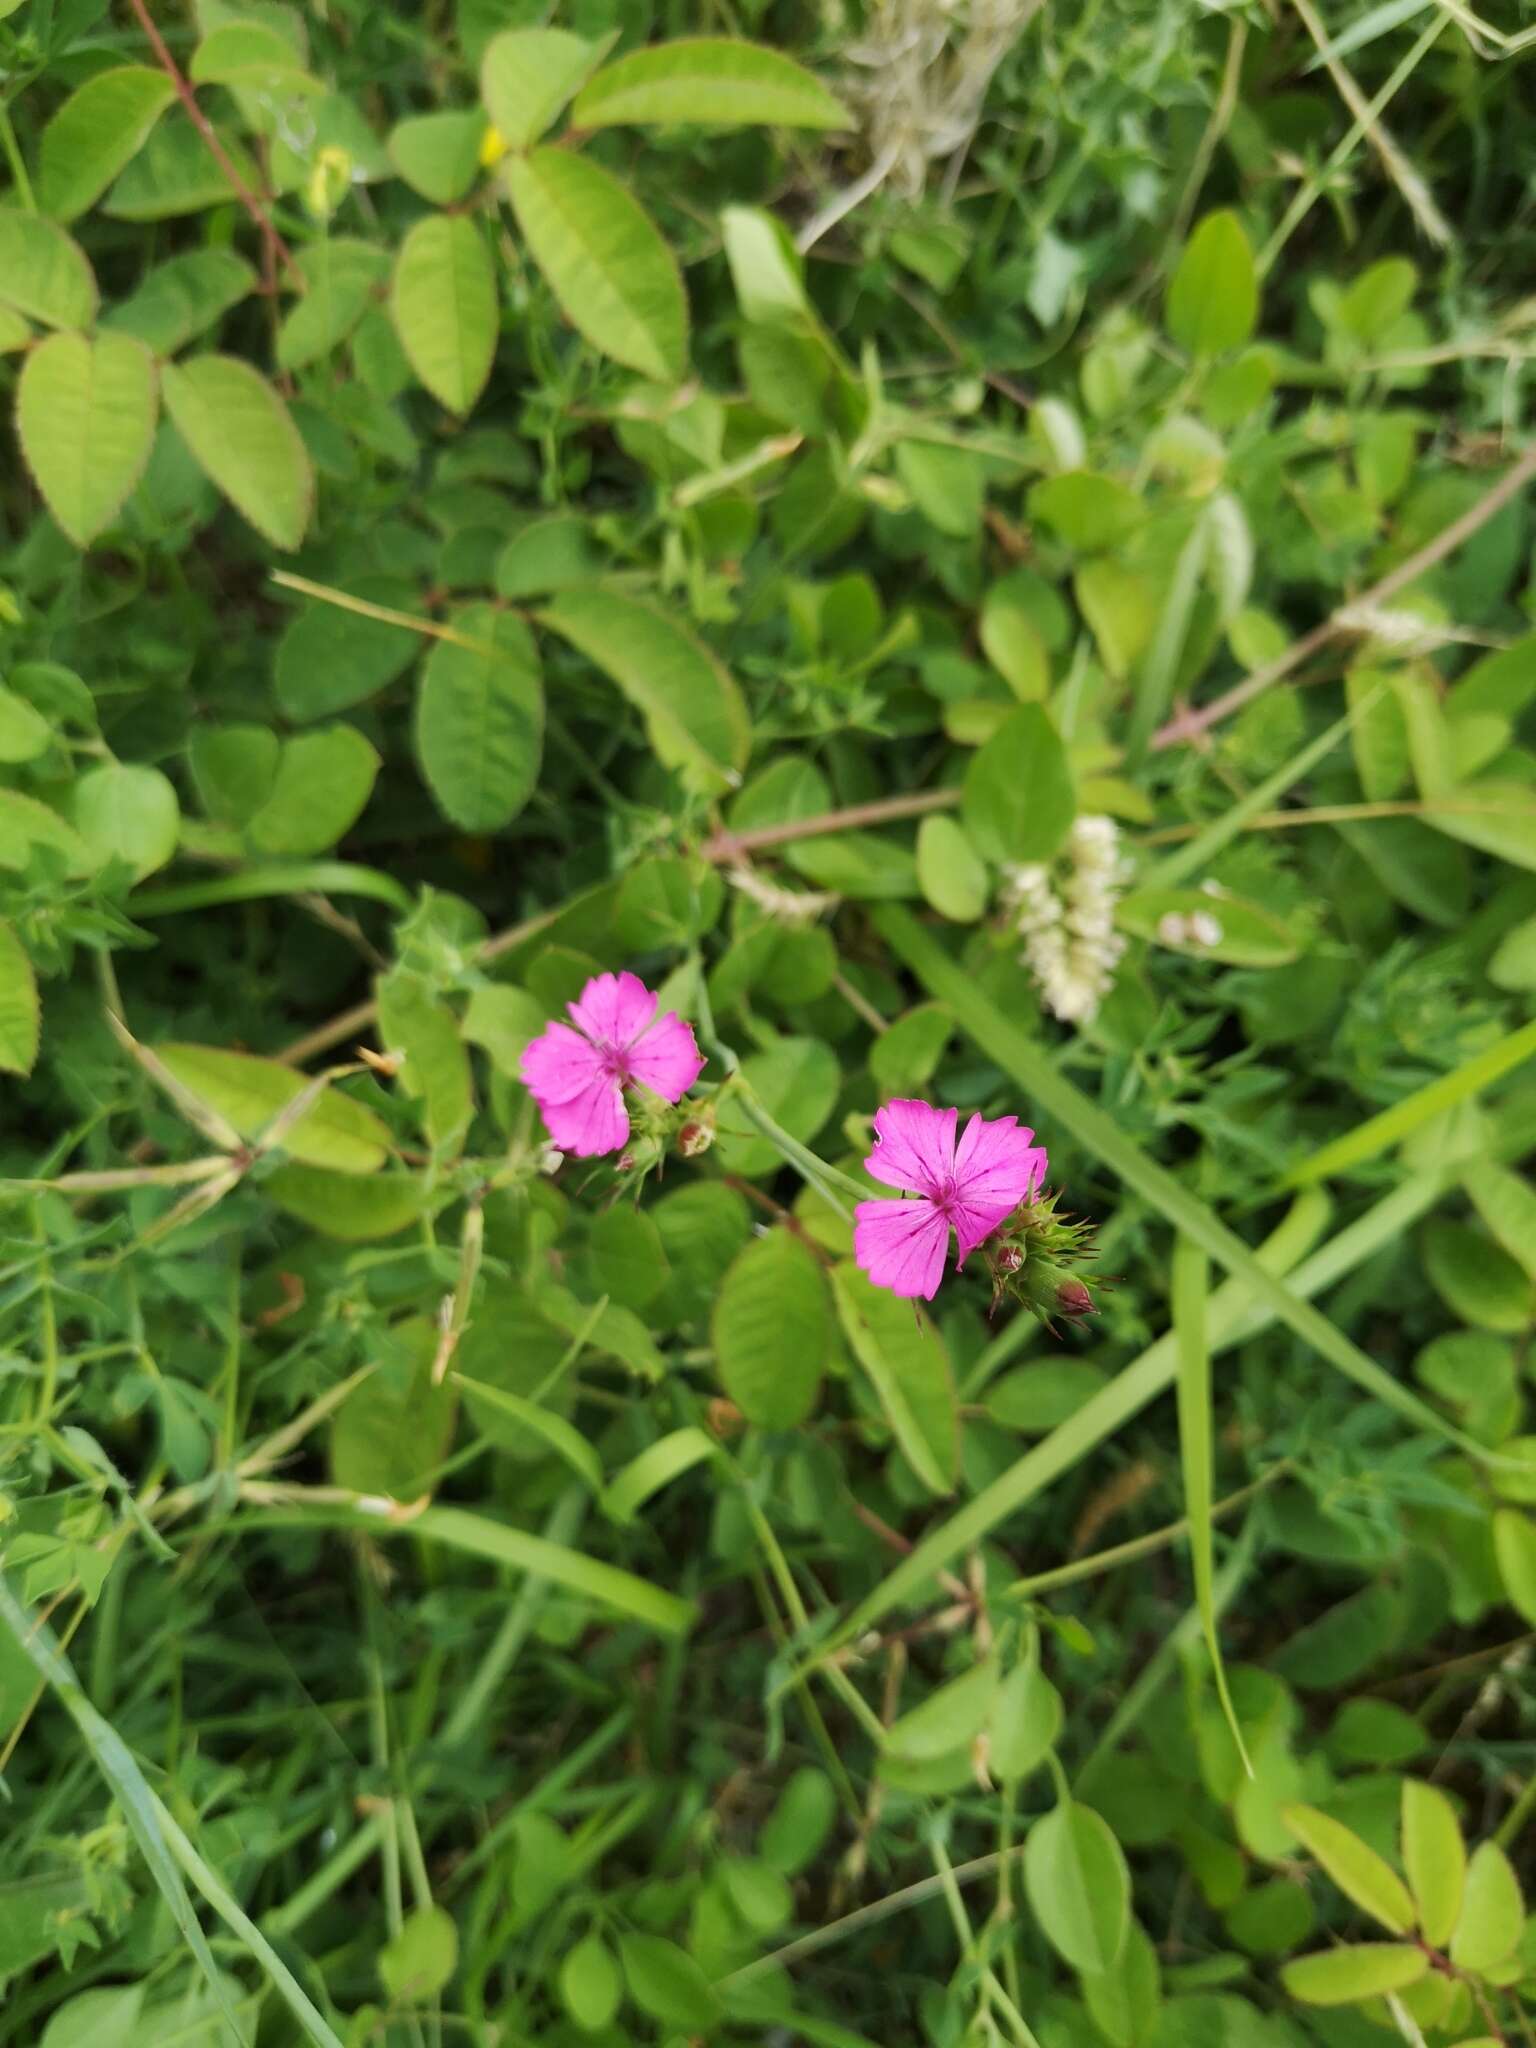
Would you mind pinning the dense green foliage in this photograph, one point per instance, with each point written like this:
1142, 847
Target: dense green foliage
1057, 641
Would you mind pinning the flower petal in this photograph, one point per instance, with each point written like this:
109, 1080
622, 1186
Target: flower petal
901, 1245
666, 1058
914, 1147
997, 1164
613, 1009
591, 1123
559, 1065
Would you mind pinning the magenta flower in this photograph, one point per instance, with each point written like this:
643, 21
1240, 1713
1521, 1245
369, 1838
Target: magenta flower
578, 1077
970, 1188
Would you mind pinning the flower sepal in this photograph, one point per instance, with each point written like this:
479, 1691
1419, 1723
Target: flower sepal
1036, 1258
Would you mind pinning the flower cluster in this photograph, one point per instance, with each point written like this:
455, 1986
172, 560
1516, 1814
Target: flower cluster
1071, 946
617, 1059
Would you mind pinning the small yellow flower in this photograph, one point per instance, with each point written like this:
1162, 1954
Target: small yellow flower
493, 147
330, 179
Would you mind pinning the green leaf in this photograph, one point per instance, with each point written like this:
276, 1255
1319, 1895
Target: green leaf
1352, 1973
344, 1206
504, 1020
949, 873
908, 1367
1018, 801
233, 767
1213, 296
562, 1437
528, 74
709, 82
590, 1984
412, 1022
443, 302
1496, 817
1027, 1718
182, 297
423, 1956
860, 865
1090, 513
1514, 1545
799, 1824
341, 276
615, 278
25, 823
693, 711
24, 732
655, 1467
950, 1718
1435, 1859
1190, 1294
1042, 1396
1492, 1911
177, 174
85, 413
1078, 1886
43, 273
20, 1012
1513, 965
1204, 926
250, 55
1354, 1866
100, 127
239, 431
770, 1331
330, 657
438, 155
666, 1983
480, 719
393, 1429
948, 485
334, 1132
1477, 1278
128, 813
323, 780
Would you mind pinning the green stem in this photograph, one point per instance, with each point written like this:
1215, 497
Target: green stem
13, 158
298, 878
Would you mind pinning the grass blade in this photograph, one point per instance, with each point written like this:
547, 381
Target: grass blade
1191, 1293
1049, 1091
1378, 1133
160, 1840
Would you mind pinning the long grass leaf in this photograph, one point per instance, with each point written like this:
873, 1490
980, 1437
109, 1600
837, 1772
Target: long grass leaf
1191, 1296
1378, 1133
1049, 1091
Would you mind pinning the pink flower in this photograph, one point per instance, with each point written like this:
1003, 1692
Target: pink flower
971, 1187
578, 1077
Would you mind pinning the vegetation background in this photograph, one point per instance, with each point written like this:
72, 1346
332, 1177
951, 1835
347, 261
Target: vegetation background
727, 491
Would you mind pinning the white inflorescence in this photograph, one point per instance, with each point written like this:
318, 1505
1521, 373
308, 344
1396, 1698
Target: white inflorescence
1071, 946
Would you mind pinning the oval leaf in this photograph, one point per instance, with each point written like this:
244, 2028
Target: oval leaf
693, 710
323, 780
241, 434
1492, 1911
1354, 1866
1018, 800
1435, 1859
615, 278
335, 1132
20, 1013
1351, 1974
43, 272
1213, 299
95, 134
770, 1331
708, 82
443, 299
949, 873
85, 414
950, 1718
528, 74
128, 813
1208, 927
1078, 1886
480, 720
